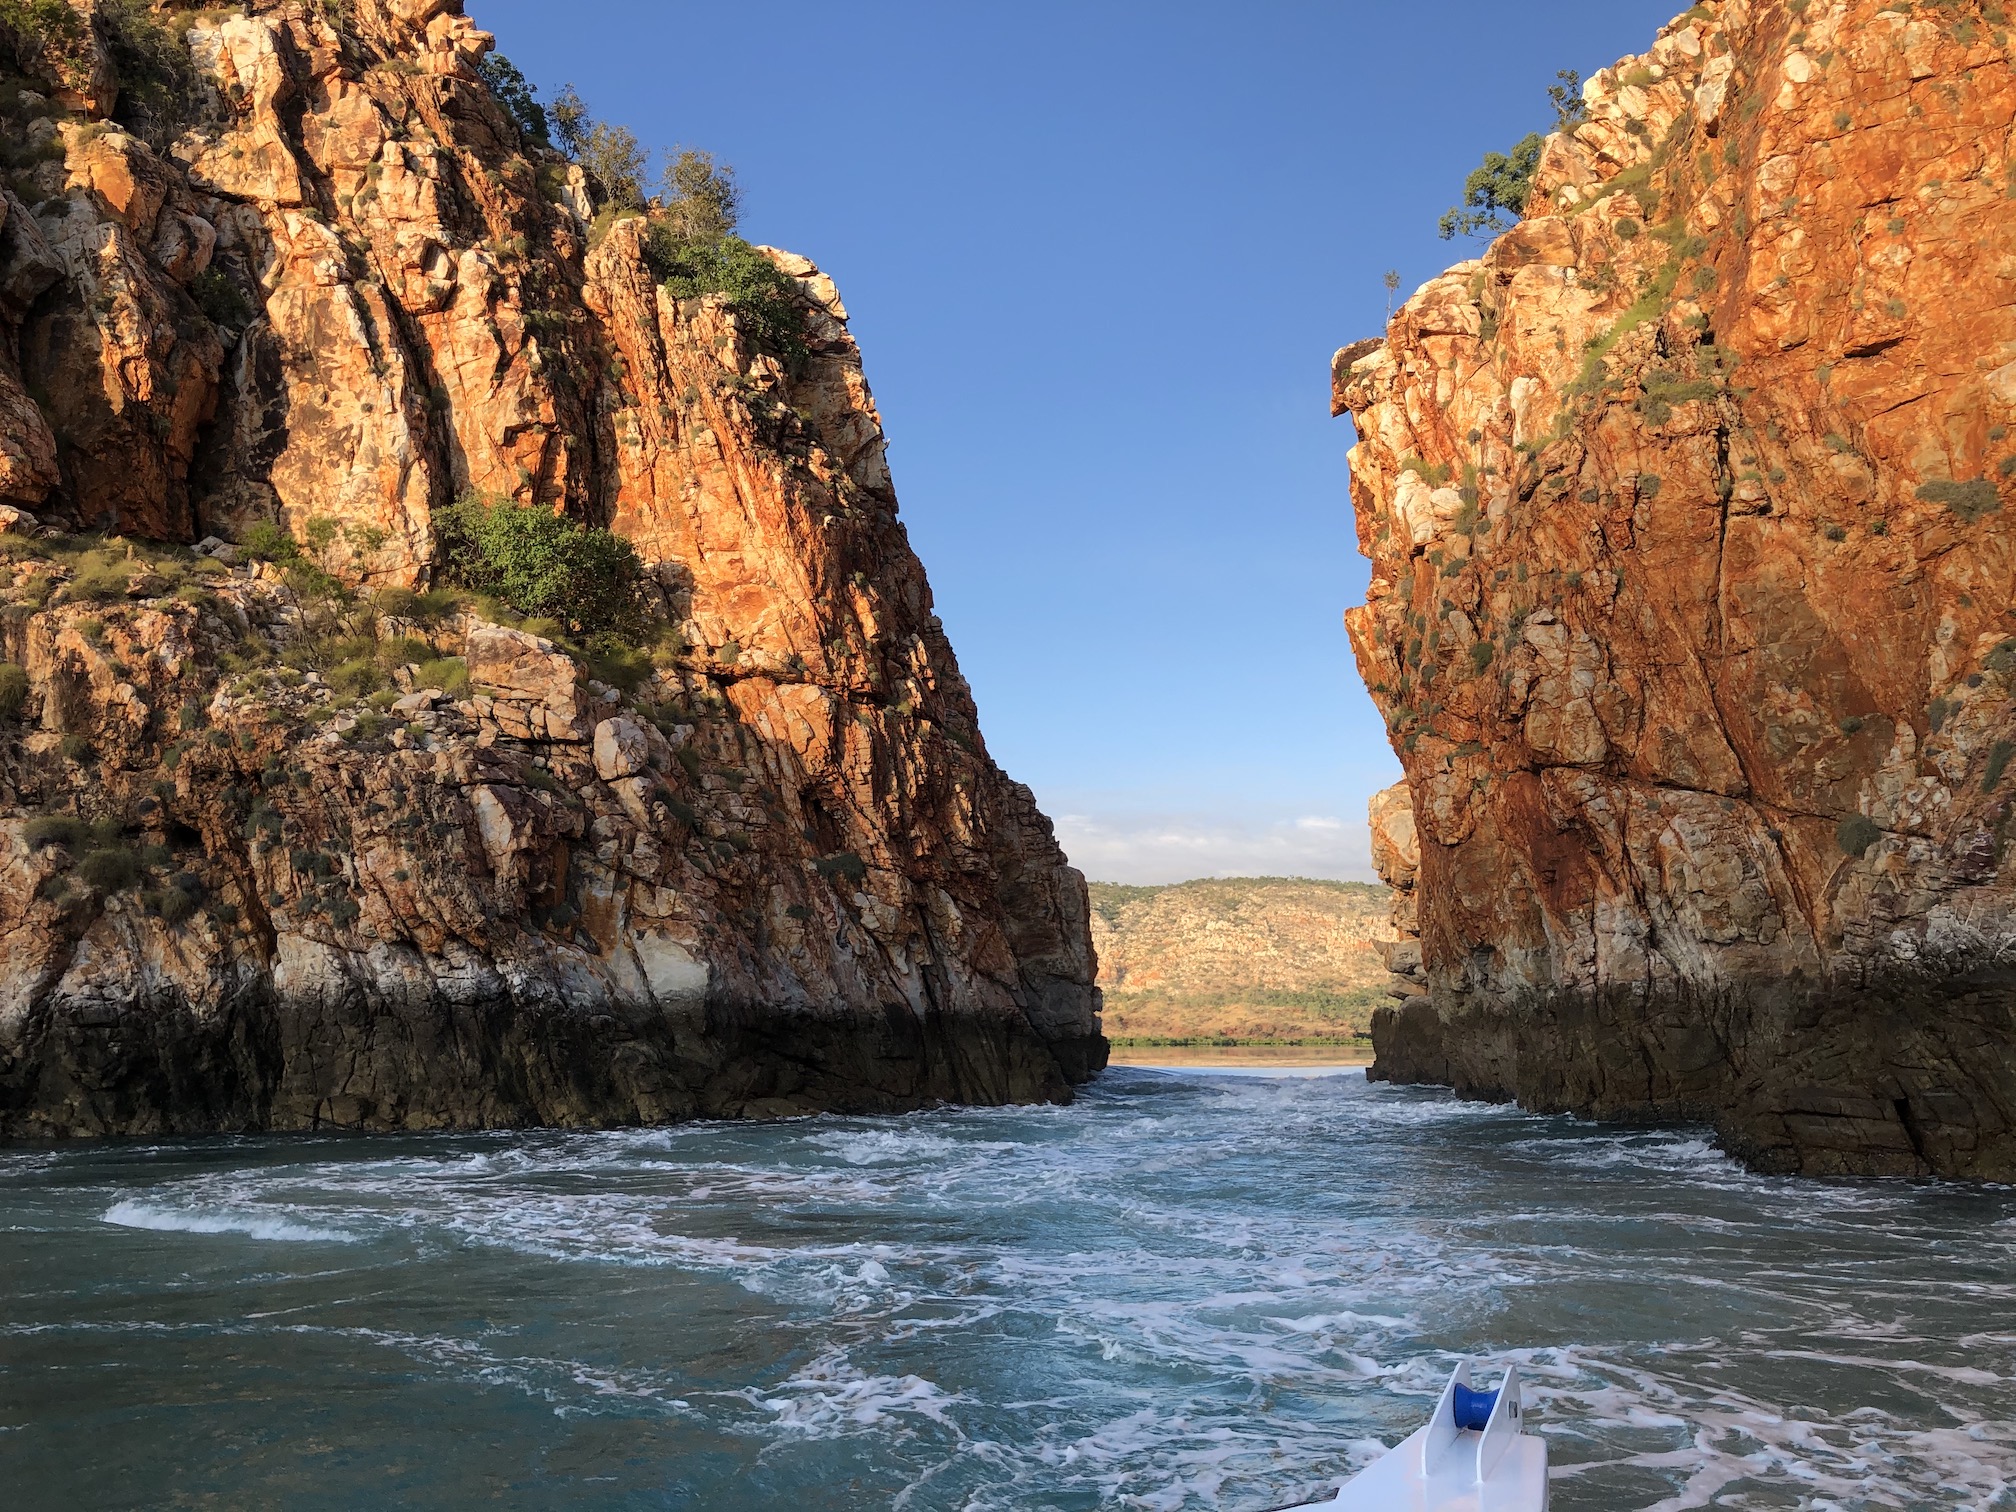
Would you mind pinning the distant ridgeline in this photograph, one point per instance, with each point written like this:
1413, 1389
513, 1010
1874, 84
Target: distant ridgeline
1249, 959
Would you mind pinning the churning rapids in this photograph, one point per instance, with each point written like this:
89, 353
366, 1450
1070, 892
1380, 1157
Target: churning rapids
1190, 1290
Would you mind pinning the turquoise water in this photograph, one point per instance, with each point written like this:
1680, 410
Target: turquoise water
1191, 1290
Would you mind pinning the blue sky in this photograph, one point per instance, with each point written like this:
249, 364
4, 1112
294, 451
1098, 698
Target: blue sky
1098, 256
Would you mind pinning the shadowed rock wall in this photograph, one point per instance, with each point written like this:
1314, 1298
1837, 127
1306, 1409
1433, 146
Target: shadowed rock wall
782, 875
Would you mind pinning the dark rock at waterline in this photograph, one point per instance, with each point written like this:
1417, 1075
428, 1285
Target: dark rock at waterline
435, 1065
1908, 1078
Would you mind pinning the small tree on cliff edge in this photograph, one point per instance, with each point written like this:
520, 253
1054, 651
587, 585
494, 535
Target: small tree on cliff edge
701, 201
1495, 194
519, 97
611, 155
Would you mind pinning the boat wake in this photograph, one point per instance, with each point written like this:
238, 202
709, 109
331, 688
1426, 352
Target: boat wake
1186, 1291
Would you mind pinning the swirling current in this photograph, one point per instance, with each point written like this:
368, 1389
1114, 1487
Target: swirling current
1189, 1290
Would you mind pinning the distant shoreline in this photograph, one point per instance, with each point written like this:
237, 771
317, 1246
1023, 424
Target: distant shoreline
1243, 1057
1152, 1042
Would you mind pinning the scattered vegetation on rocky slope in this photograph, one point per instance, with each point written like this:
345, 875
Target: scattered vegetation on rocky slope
1242, 959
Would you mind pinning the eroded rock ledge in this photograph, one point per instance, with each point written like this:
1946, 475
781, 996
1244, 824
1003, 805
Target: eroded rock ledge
1691, 612
781, 875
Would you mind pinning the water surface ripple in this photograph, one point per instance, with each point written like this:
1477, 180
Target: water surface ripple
1190, 1290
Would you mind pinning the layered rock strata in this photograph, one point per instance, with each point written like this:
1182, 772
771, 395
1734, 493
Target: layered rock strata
781, 874
1693, 611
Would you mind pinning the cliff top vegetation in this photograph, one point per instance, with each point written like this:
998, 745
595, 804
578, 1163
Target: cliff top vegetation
693, 211
1495, 193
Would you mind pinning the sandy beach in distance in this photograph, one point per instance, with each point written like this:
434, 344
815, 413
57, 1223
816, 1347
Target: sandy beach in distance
1241, 1056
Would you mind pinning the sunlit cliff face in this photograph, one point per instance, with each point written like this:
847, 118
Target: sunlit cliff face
1691, 616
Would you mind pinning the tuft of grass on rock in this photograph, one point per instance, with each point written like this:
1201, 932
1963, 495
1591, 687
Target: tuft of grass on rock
13, 690
1969, 500
1856, 834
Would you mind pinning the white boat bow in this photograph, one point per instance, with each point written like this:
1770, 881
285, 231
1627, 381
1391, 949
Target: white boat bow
1472, 1456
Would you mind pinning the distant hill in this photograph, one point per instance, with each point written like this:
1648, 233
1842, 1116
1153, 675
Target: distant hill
1246, 958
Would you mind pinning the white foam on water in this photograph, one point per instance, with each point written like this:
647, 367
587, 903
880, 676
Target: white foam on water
573, 1387
248, 1222
1175, 1453
830, 1397
1204, 1291
1265, 1073
1964, 1375
900, 1145
1731, 1443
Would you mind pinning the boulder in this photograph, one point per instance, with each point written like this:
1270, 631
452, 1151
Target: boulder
622, 749
532, 673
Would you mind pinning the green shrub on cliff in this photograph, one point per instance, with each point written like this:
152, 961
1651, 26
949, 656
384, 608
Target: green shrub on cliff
104, 860
764, 298
691, 246
13, 689
267, 542
355, 677
448, 673
109, 870
844, 866
219, 300
55, 829
543, 564
1665, 388
157, 81
102, 577
41, 21
171, 904
1495, 194
693, 250
1970, 500
1998, 763
404, 603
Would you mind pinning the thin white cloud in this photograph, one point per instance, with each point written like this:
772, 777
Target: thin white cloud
1153, 848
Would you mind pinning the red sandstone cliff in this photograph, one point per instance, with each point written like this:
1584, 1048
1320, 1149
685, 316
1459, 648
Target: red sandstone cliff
784, 874
1692, 612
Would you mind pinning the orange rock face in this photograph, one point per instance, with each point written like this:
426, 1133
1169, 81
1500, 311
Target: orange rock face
784, 874
1693, 612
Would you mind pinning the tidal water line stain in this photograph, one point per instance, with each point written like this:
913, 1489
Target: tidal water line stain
1189, 1290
